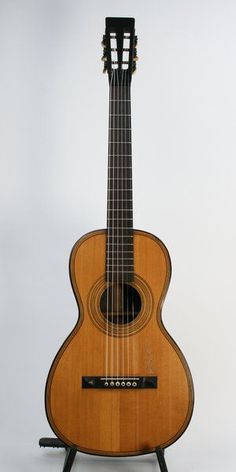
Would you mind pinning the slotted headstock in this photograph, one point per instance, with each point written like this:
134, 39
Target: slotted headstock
119, 47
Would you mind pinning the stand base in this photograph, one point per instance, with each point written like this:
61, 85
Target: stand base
71, 453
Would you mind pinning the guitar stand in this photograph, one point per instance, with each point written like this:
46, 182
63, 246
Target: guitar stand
71, 453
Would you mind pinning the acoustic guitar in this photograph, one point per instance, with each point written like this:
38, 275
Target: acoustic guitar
119, 384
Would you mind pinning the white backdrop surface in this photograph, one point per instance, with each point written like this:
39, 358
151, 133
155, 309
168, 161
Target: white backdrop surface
53, 151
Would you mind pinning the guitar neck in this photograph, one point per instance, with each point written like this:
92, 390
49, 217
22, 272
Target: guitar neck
119, 255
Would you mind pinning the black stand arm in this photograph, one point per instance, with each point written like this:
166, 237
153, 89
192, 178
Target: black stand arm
161, 459
71, 453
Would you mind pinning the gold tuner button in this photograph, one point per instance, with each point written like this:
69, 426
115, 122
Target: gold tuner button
104, 58
136, 58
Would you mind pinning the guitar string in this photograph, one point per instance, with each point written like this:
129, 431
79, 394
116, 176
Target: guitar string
108, 225
132, 290
120, 99
122, 224
125, 194
130, 193
118, 140
112, 226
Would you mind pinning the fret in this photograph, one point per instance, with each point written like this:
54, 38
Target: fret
120, 264
112, 263
123, 228
127, 258
120, 237
120, 101
124, 252
120, 244
120, 270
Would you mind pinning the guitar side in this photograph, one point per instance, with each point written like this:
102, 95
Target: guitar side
116, 422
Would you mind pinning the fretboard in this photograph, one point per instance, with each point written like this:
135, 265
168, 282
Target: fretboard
119, 253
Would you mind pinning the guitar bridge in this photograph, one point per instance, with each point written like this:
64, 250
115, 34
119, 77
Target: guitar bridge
119, 382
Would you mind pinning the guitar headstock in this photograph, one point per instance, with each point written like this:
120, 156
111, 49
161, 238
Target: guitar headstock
119, 47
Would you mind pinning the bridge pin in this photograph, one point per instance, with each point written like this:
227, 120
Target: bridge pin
128, 384
106, 384
117, 384
134, 384
122, 384
112, 384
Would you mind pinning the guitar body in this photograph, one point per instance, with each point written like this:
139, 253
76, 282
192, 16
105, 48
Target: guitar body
128, 421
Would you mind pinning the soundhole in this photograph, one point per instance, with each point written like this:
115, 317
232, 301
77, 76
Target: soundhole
120, 304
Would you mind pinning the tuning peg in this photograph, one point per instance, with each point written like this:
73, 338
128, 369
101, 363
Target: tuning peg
103, 43
104, 58
136, 58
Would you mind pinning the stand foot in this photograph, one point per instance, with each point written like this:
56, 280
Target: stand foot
161, 459
70, 453
52, 442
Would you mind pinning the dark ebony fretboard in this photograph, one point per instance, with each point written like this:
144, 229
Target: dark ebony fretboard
119, 254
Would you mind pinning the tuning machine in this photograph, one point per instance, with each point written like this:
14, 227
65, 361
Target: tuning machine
103, 43
104, 57
135, 57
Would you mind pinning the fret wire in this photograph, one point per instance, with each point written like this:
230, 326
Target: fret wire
122, 244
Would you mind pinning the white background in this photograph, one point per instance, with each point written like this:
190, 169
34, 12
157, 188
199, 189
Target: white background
53, 145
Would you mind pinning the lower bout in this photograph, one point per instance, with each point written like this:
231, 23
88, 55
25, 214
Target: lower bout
121, 423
